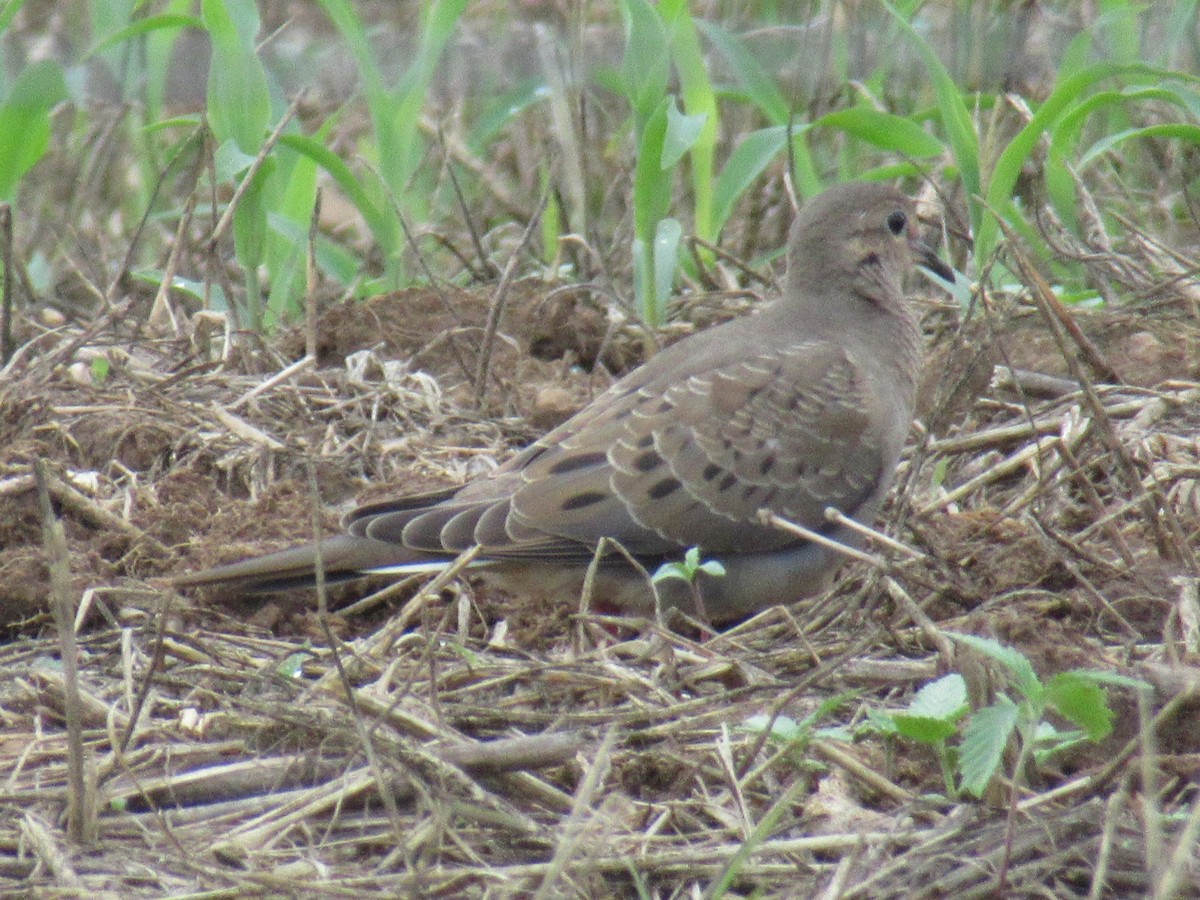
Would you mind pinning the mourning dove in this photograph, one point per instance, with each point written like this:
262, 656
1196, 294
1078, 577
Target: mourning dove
801, 406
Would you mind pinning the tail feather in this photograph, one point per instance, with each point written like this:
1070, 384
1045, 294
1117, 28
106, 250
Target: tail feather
343, 558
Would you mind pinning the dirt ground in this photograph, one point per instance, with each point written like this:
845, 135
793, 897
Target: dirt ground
1051, 499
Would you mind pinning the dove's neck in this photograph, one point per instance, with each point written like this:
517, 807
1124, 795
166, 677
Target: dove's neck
867, 313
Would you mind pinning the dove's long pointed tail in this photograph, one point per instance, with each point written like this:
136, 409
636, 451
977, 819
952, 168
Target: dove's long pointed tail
343, 557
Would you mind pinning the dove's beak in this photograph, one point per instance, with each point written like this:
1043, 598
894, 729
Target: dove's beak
926, 258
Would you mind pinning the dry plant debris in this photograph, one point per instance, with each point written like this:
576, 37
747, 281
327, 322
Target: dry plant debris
488, 749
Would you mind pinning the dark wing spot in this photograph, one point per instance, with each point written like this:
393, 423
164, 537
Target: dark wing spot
871, 259
646, 440
584, 499
711, 471
801, 468
765, 467
664, 488
727, 482
647, 462
578, 461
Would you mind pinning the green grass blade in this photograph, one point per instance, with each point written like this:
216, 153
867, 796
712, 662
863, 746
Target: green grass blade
148, 25
956, 118
699, 99
1178, 130
1012, 159
748, 160
25, 122
377, 216
239, 102
760, 88
884, 130
646, 65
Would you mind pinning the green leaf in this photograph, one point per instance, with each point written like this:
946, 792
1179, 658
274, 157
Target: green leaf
956, 118
783, 729
101, 367
883, 722
504, 109
651, 204
699, 99
213, 294
682, 133
884, 130
1015, 661
925, 729
25, 122
1115, 679
1081, 701
293, 665
148, 25
1048, 741
1189, 133
670, 570
760, 88
239, 102
1012, 159
8, 11
229, 161
932, 718
748, 160
383, 226
986, 735
667, 235
647, 63
945, 698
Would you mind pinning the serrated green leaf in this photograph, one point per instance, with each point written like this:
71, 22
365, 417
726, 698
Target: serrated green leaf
1014, 660
984, 738
1081, 701
1115, 679
884, 723
945, 699
783, 728
926, 729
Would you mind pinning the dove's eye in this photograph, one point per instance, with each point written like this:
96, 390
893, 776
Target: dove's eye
897, 222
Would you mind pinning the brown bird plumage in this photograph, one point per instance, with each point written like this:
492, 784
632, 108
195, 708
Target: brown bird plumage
802, 406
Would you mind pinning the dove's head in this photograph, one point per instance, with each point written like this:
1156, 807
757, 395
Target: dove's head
861, 238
